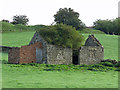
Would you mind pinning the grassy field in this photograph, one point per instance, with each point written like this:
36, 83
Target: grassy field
91, 31
34, 77
17, 38
18, 76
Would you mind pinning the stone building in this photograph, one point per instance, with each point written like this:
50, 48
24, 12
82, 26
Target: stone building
39, 51
92, 52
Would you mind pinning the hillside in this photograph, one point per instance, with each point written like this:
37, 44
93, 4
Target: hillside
91, 31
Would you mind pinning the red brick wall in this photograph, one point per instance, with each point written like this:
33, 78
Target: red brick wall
28, 53
14, 55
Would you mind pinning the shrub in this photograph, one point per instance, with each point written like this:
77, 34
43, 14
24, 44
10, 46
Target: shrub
4, 61
7, 26
117, 64
62, 35
107, 64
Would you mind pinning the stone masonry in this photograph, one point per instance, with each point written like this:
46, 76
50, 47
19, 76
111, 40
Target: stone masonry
39, 51
92, 52
58, 55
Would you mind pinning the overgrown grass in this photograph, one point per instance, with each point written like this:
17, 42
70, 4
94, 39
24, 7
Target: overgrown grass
37, 76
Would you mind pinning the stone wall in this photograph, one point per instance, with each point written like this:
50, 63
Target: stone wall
14, 55
58, 55
91, 54
5, 49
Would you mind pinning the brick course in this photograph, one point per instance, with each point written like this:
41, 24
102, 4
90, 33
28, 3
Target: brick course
28, 53
25, 54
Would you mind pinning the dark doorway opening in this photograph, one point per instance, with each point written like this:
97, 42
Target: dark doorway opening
75, 57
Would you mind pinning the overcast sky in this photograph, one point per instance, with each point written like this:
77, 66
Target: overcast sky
42, 11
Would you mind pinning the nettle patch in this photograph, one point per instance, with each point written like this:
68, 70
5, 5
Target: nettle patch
103, 66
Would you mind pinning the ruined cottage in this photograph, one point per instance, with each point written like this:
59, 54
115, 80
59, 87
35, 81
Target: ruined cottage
92, 52
39, 51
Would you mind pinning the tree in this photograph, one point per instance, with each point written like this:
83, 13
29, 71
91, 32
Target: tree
21, 19
68, 17
62, 35
108, 26
5, 20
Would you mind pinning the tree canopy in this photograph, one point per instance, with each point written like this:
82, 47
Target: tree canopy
68, 17
62, 35
20, 19
108, 26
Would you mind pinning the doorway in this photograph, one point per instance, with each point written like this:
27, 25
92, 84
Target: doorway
75, 57
38, 55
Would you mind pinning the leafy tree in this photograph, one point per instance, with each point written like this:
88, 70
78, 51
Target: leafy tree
21, 19
108, 26
68, 17
5, 20
62, 35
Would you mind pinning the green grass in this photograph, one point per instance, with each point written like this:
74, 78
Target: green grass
27, 76
91, 31
17, 38
33, 77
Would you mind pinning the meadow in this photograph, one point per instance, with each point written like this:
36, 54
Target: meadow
27, 76
42, 76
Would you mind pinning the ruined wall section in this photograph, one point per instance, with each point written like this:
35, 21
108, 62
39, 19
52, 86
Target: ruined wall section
14, 55
38, 38
91, 54
28, 53
58, 55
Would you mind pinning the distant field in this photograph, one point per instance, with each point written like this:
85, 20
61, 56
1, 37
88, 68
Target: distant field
17, 39
91, 31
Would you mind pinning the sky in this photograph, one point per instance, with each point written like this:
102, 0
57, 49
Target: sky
42, 11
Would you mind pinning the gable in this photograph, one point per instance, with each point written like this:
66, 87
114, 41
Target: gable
37, 38
92, 41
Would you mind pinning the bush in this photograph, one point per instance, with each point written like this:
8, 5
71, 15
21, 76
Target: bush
7, 26
20, 27
117, 64
107, 64
3, 61
62, 35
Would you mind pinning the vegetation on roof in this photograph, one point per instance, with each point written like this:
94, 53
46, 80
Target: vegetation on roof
62, 35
